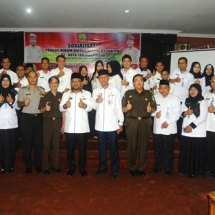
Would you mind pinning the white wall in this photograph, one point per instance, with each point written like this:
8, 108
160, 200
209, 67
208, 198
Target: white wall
204, 57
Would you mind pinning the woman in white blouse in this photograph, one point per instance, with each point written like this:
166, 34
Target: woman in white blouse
195, 70
208, 73
115, 74
8, 125
192, 158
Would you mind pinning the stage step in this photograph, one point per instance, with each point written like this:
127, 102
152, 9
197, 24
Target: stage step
93, 154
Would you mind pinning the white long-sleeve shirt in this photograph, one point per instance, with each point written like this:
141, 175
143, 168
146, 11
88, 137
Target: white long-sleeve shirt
8, 116
43, 80
200, 121
109, 113
23, 82
182, 88
149, 83
170, 113
64, 80
76, 120
210, 99
129, 77
202, 83
114, 81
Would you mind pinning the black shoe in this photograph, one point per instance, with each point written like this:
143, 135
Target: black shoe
83, 172
155, 171
114, 175
133, 173
167, 173
141, 173
3, 171
28, 171
11, 170
212, 176
57, 170
38, 169
70, 172
99, 172
47, 172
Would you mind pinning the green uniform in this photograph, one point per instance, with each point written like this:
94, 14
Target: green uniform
138, 126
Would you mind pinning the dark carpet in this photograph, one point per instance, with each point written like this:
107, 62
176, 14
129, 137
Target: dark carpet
100, 195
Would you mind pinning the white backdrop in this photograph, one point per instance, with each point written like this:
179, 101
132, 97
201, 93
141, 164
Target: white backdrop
204, 57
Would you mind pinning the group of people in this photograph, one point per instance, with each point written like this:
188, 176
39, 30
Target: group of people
40, 106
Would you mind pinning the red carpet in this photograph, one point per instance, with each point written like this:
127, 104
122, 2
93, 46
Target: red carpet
37, 194
100, 195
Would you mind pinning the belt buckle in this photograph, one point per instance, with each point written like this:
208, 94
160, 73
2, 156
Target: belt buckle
35, 114
53, 118
139, 118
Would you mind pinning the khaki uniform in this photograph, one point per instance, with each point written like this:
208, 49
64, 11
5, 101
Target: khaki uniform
31, 126
138, 126
51, 128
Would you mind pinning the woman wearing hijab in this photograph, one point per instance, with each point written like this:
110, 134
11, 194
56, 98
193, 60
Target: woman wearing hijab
95, 82
195, 70
86, 83
8, 125
115, 74
192, 158
208, 73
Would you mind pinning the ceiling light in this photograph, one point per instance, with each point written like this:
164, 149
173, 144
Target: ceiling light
28, 10
126, 11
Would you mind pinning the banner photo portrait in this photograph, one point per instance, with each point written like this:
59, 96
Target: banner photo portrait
81, 48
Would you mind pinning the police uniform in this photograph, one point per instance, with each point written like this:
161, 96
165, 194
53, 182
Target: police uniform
31, 126
138, 126
164, 137
52, 121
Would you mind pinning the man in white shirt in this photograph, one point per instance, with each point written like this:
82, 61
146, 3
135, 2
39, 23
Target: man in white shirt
109, 121
23, 81
157, 75
131, 50
145, 72
182, 80
33, 53
165, 127
44, 74
6, 70
127, 73
76, 104
210, 98
62, 73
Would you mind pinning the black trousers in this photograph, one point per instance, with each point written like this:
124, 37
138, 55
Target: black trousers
81, 140
31, 128
8, 139
112, 138
211, 150
163, 150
